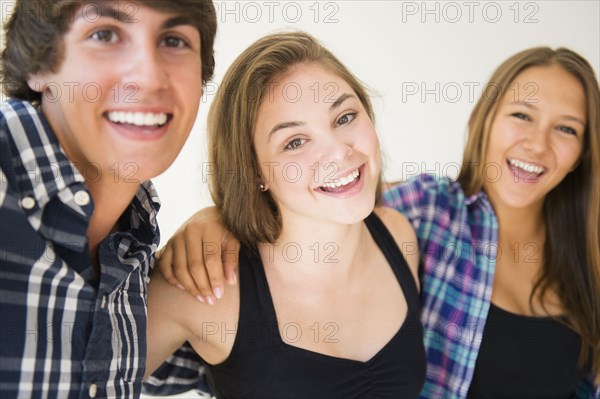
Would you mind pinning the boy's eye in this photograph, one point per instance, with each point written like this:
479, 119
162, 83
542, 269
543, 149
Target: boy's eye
345, 119
174, 41
295, 143
107, 36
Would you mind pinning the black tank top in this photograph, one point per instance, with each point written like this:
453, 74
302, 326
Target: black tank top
526, 357
261, 365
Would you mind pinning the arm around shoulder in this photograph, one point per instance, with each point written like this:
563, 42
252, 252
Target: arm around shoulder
166, 331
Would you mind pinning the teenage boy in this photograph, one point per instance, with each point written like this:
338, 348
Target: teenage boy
104, 95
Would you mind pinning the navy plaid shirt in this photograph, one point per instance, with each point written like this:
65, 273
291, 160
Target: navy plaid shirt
65, 331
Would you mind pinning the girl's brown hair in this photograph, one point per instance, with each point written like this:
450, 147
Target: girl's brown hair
251, 215
571, 210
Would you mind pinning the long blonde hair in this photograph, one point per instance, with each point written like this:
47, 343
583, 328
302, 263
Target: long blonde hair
571, 255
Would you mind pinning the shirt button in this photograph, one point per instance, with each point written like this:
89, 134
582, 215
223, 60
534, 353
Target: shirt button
27, 203
82, 198
93, 390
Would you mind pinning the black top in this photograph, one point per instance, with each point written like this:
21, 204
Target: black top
526, 357
261, 365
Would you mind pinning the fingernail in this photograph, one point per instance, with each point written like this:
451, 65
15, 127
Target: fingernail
233, 278
218, 292
210, 300
181, 287
199, 297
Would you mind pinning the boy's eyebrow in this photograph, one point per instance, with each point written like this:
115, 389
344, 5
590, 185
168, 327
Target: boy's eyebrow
105, 10
178, 21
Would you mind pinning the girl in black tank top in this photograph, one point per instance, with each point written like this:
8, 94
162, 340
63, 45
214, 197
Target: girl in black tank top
261, 365
290, 113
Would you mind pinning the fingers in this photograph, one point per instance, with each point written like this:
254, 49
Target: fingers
214, 268
181, 267
201, 256
230, 255
196, 252
164, 263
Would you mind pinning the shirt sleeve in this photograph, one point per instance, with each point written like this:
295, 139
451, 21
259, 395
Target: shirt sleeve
406, 198
183, 371
417, 199
587, 389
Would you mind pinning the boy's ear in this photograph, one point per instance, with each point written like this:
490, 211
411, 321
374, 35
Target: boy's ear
38, 81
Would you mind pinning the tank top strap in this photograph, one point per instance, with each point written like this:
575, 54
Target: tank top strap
255, 297
386, 243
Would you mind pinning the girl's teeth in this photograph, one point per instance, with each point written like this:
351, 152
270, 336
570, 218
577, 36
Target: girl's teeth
343, 181
527, 167
138, 118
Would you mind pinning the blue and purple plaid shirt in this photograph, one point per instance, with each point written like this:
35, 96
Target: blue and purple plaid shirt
458, 238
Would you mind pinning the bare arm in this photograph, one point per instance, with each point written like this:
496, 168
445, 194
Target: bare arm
165, 333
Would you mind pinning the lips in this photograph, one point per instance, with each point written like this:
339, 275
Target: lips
343, 183
525, 171
139, 125
346, 185
139, 119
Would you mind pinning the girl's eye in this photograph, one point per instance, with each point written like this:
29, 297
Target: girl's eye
567, 130
174, 41
106, 36
295, 143
521, 115
345, 119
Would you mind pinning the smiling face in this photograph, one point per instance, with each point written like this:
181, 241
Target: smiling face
126, 93
317, 147
536, 137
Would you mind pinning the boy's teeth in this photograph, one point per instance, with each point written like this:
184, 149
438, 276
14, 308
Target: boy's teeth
527, 167
343, 181
138, 118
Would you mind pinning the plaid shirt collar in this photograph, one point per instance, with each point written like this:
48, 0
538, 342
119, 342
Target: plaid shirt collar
42, 178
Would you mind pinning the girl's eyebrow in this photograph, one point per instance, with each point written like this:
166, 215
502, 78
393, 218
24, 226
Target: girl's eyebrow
283, 125
340, 100
528, 104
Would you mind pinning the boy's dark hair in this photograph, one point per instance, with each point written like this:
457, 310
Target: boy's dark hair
35, 29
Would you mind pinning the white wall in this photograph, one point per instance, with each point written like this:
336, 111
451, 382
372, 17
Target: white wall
426, 61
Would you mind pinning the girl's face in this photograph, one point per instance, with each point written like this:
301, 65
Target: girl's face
536, 138
317, 147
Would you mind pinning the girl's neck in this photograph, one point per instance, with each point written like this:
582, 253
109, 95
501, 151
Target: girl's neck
316, 247
520, 225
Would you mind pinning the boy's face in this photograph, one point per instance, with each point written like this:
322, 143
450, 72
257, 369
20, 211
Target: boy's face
126, 93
